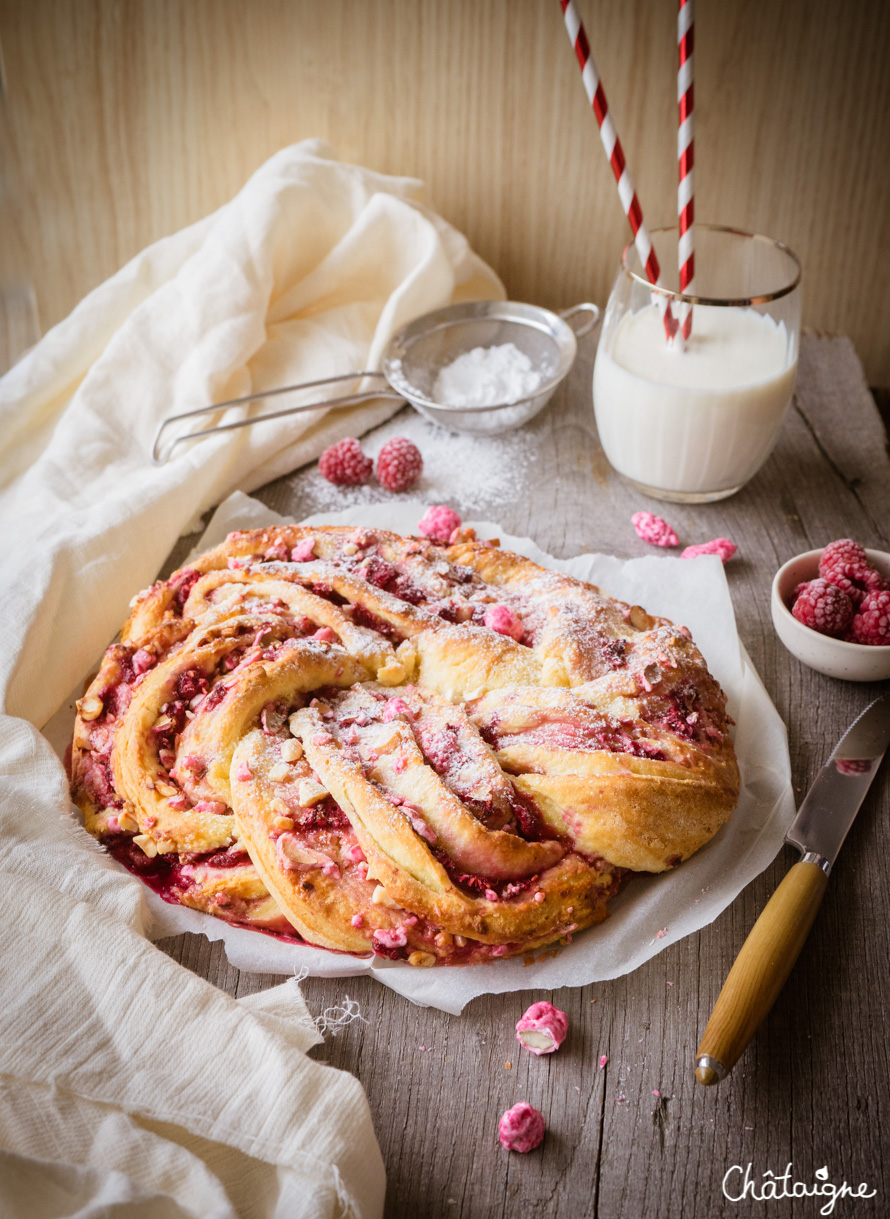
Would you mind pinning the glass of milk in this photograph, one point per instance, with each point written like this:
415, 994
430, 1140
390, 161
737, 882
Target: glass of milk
692, 421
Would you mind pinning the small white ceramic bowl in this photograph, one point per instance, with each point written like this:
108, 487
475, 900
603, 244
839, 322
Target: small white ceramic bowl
833, 657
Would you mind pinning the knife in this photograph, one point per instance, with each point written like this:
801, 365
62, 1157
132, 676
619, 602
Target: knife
776, 939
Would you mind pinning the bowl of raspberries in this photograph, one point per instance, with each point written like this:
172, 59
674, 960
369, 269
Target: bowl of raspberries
831, 609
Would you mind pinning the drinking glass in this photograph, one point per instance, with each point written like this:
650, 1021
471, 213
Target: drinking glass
692, 421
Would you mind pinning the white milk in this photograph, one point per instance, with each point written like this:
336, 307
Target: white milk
698, 421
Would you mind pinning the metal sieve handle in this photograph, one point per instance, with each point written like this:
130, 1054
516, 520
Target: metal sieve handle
159, 458
585, 307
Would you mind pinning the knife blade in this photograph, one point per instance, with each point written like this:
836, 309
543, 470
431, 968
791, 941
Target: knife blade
776, 939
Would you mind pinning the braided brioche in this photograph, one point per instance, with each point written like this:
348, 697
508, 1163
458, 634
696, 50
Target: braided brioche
379, 744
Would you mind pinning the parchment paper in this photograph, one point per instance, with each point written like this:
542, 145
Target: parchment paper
693, 593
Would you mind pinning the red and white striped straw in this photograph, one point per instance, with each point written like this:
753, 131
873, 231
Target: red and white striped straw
686, 157
615, 154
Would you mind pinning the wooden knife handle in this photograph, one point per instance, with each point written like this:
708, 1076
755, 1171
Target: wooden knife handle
760, 970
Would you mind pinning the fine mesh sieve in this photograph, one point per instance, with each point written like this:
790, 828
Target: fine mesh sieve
413, 359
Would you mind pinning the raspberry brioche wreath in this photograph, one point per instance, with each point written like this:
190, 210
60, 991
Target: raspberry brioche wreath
312, 732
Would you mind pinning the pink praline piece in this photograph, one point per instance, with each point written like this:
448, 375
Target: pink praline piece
722, 547
502, 619
653, 529
542, 1029
521, 1128
439, 522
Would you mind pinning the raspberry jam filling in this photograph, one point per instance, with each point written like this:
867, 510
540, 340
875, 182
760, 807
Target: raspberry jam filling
572, 736
364, 617
683, 712
484, 886
182, 584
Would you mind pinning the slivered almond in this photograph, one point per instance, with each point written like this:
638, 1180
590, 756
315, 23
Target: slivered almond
422, 960
280, 772
350, 548
165, 846
164, 789
283, 823
146, 844
128, 823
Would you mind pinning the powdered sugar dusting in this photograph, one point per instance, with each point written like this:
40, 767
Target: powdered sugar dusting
480, 473
487, 376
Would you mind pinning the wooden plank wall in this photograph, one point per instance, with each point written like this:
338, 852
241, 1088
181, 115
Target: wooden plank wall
124, 120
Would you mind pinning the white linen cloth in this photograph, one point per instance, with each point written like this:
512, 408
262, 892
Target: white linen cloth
128, 1085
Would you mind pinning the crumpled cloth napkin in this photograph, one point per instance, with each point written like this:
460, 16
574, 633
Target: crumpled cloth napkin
128, 1085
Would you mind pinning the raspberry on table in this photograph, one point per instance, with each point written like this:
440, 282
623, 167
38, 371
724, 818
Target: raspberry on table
823, 607
872, 622
653, 529
399, 464
345, 464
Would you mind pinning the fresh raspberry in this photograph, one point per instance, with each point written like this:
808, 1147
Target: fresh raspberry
722, 547
653, 529
844, 550
439, 522
345, 464
822, 606
856, 579
399, 464
872, 622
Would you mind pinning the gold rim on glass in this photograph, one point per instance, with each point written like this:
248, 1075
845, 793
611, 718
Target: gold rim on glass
724, 301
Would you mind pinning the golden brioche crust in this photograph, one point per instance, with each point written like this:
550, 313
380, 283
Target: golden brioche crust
378, 744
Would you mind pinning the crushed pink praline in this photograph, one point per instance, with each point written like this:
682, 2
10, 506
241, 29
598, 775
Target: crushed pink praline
653, 529
386, 938
211, 806
439, 522
521, 1128
542, 1029
303, 551
502, 619
722, 547
243, 773
142, 661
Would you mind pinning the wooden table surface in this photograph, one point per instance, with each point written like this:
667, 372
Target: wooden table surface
812, 1088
